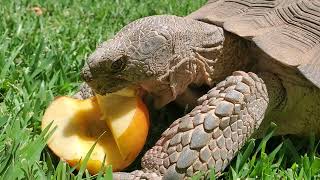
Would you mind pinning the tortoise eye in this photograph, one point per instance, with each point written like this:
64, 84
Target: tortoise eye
119, 64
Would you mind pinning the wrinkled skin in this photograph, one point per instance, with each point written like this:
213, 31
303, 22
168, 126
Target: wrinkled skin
161, 54
166, 55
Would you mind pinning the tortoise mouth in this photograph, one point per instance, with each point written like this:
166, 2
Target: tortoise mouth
104, 86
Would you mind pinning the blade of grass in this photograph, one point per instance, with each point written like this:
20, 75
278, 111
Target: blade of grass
86, 158
212, 175
245, 155
291, 148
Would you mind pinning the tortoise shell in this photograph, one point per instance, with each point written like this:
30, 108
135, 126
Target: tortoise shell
286, 30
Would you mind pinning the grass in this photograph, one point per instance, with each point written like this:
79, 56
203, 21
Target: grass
41, 57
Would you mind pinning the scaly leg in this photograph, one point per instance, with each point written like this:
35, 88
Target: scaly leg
213, 132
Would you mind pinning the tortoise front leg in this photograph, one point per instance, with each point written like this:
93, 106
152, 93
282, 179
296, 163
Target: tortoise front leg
213, 132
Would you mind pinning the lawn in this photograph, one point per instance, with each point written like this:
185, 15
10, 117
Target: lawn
41, 55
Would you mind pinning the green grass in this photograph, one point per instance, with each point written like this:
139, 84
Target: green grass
41, 57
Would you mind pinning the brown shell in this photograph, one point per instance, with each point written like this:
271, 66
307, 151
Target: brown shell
287, 30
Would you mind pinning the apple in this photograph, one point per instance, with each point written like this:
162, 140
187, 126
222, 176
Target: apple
121, 116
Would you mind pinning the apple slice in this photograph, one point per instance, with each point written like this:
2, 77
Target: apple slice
122, 116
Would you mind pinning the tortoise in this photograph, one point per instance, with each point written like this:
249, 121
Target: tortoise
260, 58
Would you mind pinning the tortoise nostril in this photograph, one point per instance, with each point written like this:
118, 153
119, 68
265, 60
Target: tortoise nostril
86, 74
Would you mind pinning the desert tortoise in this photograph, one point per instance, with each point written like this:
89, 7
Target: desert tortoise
260, 57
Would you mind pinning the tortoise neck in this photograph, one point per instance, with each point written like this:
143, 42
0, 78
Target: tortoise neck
232, 54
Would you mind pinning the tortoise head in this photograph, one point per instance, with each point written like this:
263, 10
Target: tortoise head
153, 53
